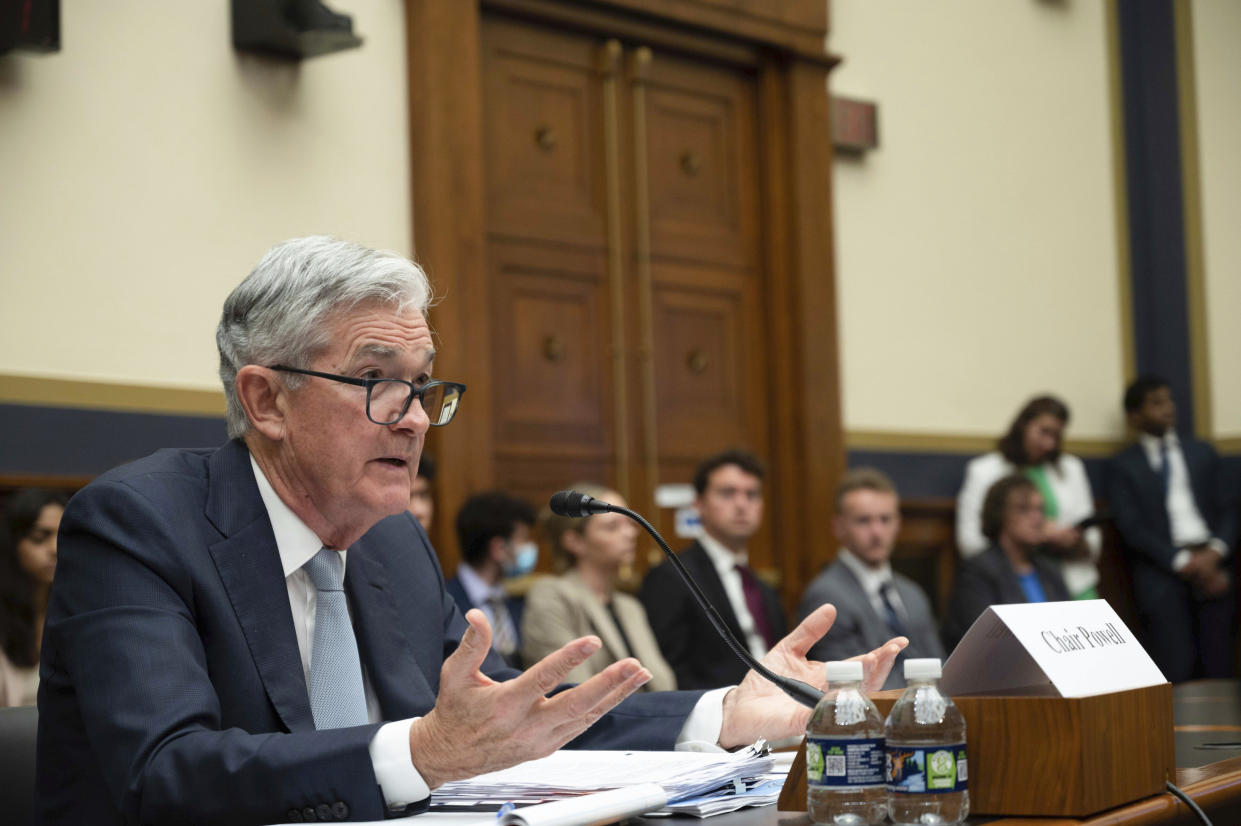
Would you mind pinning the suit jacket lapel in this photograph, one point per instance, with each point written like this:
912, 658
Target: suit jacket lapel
249, 567
873, 624
699, 563
390, 664
599, 618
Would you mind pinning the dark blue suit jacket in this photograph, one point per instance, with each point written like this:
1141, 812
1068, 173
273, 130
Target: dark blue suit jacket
516, 610
1140, 510
989, 579
172, 686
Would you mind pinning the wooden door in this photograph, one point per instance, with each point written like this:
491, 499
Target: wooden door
623, 247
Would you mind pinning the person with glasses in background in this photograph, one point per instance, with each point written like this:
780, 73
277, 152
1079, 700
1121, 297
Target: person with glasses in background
1033, 447
260, 632
1013, 569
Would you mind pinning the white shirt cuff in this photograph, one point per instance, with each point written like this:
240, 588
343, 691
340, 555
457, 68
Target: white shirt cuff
701, 731
394, 769
1181, 559
1216, 544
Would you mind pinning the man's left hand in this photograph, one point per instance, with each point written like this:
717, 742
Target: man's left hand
756, 708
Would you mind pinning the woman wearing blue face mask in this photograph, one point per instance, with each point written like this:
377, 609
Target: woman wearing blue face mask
584, 599
494, 533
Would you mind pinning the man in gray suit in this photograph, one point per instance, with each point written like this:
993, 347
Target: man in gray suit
872, 601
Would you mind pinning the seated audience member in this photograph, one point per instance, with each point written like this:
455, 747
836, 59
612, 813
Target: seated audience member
872, 601
584, 599
27, 562
260, 633
1032, 447
422, 493
1176, 516
1011, 570
730, 504
494, 537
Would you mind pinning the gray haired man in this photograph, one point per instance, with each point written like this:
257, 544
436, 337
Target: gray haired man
260, 632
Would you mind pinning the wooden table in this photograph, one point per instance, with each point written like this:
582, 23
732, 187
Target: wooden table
1207, 717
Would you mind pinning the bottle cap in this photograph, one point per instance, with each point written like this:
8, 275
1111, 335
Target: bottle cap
844, 672
923, 669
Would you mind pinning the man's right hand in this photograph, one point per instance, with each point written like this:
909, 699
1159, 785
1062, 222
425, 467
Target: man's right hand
479, 725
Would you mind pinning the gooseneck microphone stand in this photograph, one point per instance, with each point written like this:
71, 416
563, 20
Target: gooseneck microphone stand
578, 505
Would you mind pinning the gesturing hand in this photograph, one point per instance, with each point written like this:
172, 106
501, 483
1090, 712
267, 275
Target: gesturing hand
756, 708
479, 725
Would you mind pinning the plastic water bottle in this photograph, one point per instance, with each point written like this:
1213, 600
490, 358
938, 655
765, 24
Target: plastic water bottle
844, 753
926, 766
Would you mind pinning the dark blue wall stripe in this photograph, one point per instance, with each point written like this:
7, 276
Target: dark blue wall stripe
1156, 205
939, 475
71, 442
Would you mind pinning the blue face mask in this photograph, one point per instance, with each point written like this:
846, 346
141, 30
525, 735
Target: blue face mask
525, 556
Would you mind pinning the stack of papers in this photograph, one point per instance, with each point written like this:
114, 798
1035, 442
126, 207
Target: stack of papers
692, 782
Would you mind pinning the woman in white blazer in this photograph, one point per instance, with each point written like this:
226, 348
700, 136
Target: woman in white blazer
1032, 446
585, 600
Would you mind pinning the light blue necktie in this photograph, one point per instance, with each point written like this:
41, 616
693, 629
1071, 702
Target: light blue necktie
337, 698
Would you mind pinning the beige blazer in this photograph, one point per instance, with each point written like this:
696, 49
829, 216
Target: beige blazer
18, 686
561, 609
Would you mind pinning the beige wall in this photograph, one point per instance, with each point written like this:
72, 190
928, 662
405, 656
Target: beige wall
976, 247
1217, 72
147, 167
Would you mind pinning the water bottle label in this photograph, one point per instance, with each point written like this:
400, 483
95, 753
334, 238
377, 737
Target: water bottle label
927, 769
838, 764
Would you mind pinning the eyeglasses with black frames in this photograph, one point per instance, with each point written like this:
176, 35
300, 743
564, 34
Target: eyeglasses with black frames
387, 400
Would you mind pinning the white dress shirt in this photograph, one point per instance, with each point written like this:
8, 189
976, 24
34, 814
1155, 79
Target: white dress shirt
872, 581
726, 562
400, 782
1188, 526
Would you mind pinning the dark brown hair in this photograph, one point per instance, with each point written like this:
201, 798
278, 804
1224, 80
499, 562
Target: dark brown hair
17, 588
1012, 443
998, 498
743, 459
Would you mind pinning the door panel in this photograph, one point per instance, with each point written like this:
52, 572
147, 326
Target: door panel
701, 157
543, 135
550, 350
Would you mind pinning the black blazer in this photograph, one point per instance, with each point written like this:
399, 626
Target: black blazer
172, 687
1141, 513
989, 579
686, 637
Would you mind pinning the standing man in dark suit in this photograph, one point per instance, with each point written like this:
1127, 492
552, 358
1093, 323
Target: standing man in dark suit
730, 503
260, 632
1177, 521
493, 534
872, 601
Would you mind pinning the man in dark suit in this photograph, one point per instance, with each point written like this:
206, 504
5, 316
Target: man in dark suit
493, 534
872, 601
208, 658
730, 504
1177, 522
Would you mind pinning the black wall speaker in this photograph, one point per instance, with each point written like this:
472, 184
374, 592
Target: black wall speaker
30, 25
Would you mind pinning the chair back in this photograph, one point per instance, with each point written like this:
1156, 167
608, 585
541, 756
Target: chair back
18, 729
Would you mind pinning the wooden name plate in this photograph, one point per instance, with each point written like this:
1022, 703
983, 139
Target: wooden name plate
1051, 756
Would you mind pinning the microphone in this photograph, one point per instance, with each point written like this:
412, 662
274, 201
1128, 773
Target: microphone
577, 505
